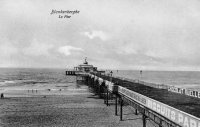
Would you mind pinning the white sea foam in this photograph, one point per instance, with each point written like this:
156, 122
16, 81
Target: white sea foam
9, 81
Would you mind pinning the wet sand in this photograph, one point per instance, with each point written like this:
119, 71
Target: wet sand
57, 108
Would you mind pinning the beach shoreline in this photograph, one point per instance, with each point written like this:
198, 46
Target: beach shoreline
63, 110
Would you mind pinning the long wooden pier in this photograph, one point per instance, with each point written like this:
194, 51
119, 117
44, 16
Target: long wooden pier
167, 109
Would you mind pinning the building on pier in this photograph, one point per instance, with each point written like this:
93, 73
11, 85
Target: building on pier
85, 67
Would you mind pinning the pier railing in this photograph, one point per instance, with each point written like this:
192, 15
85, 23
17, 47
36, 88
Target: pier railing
161, 113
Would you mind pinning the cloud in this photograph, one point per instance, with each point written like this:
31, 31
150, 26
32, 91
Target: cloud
67, 50
37, 48
124, 33
7, 49
8, 52
96, 34
126, 49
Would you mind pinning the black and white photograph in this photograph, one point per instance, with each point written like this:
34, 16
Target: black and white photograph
100, 63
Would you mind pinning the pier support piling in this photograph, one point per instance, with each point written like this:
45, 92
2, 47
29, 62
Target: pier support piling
121, 109
144, 120
99, 92
160, 125
104, 96
107, 97
116, 105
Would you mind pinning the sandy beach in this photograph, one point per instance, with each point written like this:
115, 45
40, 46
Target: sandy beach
58, 108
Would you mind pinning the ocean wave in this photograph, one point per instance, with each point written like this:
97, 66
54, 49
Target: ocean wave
9, 81
34, 82
3, 83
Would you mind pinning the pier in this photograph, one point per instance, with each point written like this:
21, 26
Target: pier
156, 102
165, 108
70, 72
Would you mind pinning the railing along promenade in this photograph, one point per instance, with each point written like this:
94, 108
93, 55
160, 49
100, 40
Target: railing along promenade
166, 108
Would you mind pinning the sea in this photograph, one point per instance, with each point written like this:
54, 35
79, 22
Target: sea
182, 79
34, 82
29, 80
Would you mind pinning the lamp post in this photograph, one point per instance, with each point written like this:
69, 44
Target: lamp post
140, 74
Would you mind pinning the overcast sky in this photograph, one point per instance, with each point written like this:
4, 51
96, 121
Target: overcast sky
112, 34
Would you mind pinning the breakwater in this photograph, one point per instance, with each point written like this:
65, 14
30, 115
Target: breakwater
162, 106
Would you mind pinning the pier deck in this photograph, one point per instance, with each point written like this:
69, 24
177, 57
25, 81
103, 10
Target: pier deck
182, 102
